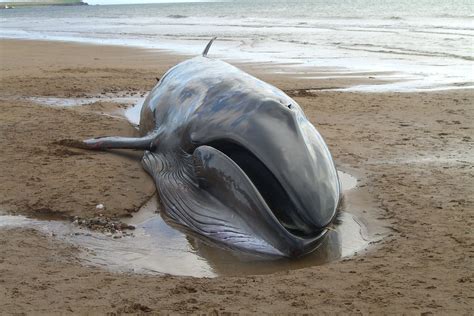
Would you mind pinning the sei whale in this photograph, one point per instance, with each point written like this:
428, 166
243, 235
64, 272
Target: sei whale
235, 159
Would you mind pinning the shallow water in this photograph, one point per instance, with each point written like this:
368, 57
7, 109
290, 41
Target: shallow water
426, 43
159, 248
131, 113
68, 102
348, 182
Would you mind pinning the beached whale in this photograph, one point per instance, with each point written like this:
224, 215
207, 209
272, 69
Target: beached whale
235, 159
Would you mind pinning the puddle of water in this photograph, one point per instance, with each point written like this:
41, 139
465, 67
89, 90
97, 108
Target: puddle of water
441, 159
348, 182
159, 248
207, 259
132, 114
67, 102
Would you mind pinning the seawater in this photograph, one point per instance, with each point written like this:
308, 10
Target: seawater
421, 45
158, 247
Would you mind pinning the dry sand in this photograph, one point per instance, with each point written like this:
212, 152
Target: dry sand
412, 151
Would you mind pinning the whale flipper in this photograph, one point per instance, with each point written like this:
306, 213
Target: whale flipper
118, 142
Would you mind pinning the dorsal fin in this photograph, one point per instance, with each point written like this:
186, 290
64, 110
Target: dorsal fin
204, 53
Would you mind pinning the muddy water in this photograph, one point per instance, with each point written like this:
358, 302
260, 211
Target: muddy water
157, 247
71, 102
133, 102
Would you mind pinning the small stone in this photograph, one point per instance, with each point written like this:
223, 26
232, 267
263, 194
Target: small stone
99, 207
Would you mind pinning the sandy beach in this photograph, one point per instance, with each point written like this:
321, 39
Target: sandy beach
412, 153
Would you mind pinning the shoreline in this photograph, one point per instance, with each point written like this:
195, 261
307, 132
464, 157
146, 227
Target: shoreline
347, 76
311, 77
396, 144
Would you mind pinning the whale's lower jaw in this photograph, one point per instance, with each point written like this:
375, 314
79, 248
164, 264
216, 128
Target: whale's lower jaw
198, 208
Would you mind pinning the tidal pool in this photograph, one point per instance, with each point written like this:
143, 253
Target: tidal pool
157, 247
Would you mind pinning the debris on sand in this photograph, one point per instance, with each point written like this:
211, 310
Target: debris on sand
107, 226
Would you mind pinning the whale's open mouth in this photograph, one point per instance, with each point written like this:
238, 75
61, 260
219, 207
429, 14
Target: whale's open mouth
267, 184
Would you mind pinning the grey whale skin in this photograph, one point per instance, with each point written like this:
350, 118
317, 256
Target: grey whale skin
235, 159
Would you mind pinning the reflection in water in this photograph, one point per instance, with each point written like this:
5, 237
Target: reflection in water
192, 255
157, 247
345, 241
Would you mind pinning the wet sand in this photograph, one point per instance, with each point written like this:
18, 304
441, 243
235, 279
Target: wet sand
411, 151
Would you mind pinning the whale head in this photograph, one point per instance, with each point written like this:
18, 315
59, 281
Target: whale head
266, 164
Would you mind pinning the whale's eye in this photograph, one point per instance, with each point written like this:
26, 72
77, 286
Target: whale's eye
290, 106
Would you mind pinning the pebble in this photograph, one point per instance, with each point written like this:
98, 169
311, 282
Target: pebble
108, 227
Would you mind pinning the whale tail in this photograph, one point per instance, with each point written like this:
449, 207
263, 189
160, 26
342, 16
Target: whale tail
204, 53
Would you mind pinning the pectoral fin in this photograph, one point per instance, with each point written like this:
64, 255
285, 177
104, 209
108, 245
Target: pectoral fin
117, 142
